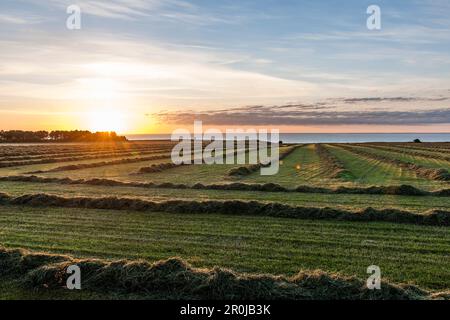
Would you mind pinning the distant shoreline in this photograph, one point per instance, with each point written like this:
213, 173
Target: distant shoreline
330, 137
285, 137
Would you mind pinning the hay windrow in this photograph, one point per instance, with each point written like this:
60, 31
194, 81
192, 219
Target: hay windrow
158, 167
421, 171
174, 278
251, 168
74, 156
170, 165
47, 160
400, 190
333, 163
101, 164
443, 147
232, 207
400, 150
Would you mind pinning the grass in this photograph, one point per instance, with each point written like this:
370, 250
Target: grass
174, 278
16, 170
368, 171
12, 289
426, 162
344, 201
406, 253
300, 167
413, 151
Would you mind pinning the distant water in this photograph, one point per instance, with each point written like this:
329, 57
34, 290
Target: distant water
332, 137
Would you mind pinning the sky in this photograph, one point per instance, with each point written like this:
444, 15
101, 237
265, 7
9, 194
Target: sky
152, 66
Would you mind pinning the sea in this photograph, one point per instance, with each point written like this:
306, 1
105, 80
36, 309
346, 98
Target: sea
332, 137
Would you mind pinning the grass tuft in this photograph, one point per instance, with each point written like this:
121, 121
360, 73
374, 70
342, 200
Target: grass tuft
174, 278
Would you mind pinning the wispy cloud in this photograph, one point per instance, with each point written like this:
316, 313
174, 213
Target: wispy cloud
120, 9
295, 115
393, 99
19, 19
408, 33
151, 55
166, 10
38, 68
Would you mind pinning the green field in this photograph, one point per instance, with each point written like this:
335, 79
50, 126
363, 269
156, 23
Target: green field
407, 253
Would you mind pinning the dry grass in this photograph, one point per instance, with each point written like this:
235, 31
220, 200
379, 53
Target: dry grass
251, 168
428, 173
400, 190
332, 163
176, 279
232, 207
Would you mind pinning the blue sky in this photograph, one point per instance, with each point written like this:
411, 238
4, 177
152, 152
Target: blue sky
152, 60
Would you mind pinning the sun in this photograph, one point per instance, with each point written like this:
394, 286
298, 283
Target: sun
106, 120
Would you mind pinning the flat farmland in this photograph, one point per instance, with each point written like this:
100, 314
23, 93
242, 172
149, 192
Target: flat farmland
337, 208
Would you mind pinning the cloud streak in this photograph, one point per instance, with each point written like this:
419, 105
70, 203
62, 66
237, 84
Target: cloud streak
304, 115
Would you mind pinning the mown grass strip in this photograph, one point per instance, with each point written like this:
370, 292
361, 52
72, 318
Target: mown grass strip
403, 190
337, 168
251, 168
80, 155
443, 147
232, 207
429, 173
406, 253
176, 279
406, 151
101, 164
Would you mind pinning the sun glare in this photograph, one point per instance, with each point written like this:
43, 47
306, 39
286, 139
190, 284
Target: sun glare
106, 120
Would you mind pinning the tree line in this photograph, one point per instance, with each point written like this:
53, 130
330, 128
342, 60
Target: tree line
58, 136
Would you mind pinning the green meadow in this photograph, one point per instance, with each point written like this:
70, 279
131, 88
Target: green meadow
407, 253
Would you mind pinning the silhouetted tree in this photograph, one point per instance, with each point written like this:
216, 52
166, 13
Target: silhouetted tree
58, 136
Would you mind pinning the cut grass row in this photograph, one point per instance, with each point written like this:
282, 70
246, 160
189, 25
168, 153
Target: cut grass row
210, 158
80, 166
189, 174
406, 253
413, 165
252, 168
427, 162
443, 147
61, 148
232, 207
97, 171
341, 201
174, 278
371, 171
336, 167
301, 167
406, 151
46, 160
124, 165
90, 154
